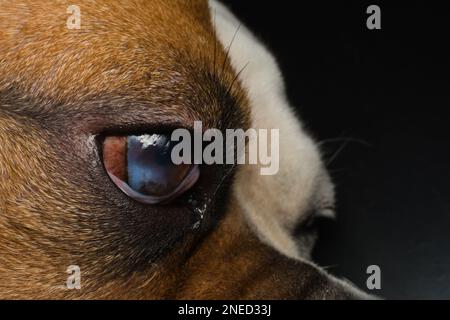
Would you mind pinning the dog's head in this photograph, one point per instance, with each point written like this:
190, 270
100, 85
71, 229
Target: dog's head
69, 101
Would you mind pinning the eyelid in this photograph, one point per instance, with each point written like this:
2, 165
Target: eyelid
128, 121
185, 185
137, 129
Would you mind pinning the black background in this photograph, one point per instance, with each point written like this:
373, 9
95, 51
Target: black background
381, 97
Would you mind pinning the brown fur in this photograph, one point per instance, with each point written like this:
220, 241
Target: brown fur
134, 65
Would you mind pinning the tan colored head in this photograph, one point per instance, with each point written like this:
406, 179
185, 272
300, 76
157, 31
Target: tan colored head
146, 65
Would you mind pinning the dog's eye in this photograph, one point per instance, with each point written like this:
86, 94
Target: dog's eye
141, 166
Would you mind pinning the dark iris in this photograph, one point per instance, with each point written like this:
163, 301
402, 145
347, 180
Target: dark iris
142, 167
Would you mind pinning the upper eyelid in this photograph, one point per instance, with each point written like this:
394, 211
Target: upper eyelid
68, 121
129, 120
139, 128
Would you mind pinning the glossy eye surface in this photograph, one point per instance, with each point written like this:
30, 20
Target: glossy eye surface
141, 166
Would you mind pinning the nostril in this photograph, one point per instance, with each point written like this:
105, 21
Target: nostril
307, 231
323, 221
314, 222
311, 221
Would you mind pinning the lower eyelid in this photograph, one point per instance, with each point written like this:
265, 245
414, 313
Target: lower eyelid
187, 183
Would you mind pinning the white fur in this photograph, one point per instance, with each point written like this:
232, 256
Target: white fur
272, 204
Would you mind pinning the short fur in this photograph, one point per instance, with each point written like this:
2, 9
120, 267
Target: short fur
144, 65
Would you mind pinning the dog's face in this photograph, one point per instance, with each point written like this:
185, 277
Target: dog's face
146, 67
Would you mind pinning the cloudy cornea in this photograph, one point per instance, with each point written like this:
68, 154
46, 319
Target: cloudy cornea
148, 140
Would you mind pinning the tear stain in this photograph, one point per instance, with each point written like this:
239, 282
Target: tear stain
200, 208
200, 204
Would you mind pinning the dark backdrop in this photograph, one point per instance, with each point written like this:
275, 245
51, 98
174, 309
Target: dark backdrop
381, 97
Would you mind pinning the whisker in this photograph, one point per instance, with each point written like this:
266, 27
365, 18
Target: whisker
236, 78
337, 153
227, 55
338, 170
360, 141
330, 266
215, 44
224, 177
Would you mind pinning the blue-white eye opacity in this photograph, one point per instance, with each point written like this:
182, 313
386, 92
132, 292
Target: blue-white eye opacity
141, 166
